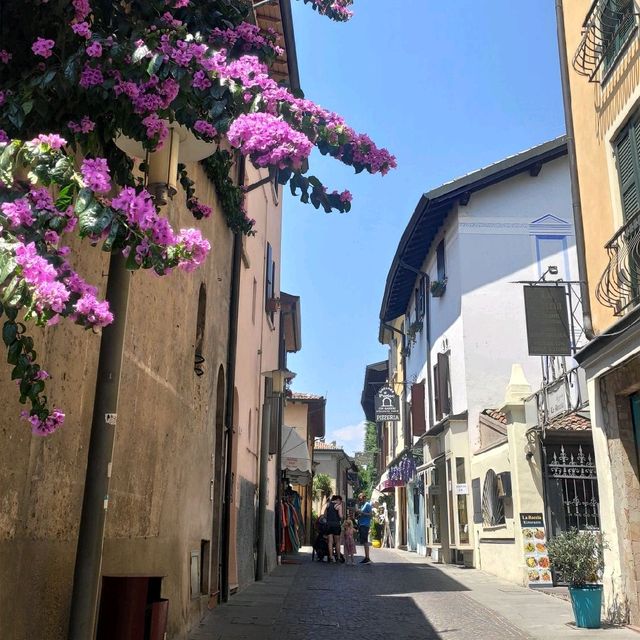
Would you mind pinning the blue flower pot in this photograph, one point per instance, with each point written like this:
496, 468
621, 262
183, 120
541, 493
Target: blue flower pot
587, 605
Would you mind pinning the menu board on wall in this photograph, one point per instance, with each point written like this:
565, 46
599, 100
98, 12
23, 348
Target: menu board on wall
536, 557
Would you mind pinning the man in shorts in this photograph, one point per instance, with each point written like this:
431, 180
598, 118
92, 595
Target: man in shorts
364, 513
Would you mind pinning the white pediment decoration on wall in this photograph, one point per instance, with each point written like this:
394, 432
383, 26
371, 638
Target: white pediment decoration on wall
550, 224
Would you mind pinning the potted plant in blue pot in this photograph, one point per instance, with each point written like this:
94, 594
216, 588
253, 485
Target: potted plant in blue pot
578, 557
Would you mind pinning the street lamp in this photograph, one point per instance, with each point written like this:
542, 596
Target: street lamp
162, 165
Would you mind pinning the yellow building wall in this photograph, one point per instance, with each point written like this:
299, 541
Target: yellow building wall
600, 110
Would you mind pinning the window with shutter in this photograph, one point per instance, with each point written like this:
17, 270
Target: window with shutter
418, 417
269, 286
444, 384
617, 22
440, 261
628, 161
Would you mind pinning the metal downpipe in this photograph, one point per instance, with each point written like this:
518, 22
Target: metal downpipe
88, 564
573, 172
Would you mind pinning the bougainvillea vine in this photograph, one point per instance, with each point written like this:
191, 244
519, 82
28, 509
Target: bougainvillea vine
77, 77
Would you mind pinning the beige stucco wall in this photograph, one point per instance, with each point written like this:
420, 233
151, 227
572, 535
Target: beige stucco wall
258, 342
160, 507
500, 550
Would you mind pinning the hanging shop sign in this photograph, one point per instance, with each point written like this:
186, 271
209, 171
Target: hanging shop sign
548, 325
387, 405
536, 556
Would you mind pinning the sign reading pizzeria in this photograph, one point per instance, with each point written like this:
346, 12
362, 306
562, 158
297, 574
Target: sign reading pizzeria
387, 405
536, 557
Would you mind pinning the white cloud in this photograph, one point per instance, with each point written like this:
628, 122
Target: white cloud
350, 438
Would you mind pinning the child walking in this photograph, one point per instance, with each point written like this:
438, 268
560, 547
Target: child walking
349, 542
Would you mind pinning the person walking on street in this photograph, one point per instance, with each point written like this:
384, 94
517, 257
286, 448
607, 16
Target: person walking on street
333, 514
364, 513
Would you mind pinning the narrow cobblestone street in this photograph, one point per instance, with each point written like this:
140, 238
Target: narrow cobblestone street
400, 595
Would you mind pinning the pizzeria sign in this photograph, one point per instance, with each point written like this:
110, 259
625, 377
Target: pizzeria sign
387, 405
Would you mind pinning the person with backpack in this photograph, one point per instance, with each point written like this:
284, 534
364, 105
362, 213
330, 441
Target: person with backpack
334, 515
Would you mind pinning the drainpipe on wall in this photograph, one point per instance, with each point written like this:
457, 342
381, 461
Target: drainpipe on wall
573, 173
234, 304
95, 502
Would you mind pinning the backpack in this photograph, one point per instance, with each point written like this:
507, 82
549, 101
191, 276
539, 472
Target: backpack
332, 514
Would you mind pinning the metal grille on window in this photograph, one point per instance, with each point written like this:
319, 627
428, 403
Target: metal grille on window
492, 504
605, 32
573, 487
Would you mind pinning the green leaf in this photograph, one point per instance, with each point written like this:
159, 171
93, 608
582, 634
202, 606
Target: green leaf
65, 197
27, 106
154, 63
12, 312
14, 352
140, 53
7, 266
113, 234
7, 294
84, 198
94, 219
9, 332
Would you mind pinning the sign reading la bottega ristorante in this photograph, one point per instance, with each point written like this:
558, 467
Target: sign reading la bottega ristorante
387, 405
536, 557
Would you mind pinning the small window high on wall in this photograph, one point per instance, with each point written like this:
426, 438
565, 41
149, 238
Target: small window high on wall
201, 320
269, 285
440, 260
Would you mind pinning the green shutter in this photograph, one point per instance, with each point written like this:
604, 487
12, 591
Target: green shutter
628, 159
617, 21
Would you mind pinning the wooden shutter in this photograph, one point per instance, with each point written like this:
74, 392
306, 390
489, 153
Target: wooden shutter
268, 285
444, 383
628, 160
276, 423
418, 418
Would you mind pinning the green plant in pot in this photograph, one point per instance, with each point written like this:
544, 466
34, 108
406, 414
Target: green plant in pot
376, 533
578, 557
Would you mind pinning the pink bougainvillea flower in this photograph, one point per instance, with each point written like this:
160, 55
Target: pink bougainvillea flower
95, 174
42, 47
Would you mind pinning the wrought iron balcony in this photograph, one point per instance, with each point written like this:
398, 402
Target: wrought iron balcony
608, 27
619, 287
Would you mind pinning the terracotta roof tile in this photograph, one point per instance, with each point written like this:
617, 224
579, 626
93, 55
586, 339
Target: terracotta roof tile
298, 395
570, 422
329, 446
498, 416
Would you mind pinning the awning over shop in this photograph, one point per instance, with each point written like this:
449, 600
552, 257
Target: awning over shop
296, 460
387, 484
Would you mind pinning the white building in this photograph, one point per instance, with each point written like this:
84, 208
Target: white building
454, 297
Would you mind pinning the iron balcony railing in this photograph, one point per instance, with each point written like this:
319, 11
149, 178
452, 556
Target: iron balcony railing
619, 286
608, 27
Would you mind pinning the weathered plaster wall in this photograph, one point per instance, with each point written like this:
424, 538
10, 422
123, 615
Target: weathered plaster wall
258, 342
160, 507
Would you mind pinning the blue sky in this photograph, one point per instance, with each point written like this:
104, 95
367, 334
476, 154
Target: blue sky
448, 87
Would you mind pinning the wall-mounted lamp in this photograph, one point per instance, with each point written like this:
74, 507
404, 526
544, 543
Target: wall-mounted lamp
162, 165
279, 378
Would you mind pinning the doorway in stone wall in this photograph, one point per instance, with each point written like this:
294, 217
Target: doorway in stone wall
217, 489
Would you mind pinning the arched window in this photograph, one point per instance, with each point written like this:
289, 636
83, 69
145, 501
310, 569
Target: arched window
201, 321
492, 502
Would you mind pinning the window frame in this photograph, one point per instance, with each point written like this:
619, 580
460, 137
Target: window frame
630, 132
441, 261
608, 63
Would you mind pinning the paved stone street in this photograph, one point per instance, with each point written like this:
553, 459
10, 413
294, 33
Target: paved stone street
399, 596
